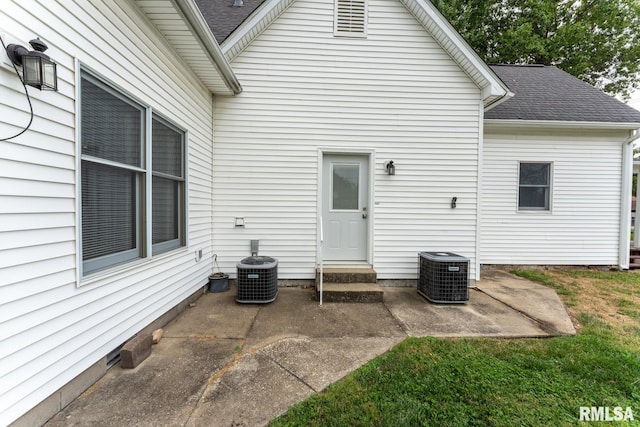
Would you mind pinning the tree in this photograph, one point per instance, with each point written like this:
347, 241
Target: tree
597, 41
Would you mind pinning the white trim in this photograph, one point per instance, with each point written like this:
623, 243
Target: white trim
78, 162
493, 89
493, 86
194, 18
260, 19
526, 211
322, 151
144, 239
148, 191
559, 124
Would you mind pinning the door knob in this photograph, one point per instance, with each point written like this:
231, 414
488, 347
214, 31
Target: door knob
364, 215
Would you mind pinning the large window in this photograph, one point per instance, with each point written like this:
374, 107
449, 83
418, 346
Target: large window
534, 186
117, 180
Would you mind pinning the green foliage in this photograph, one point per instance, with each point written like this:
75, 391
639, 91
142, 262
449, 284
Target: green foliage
496, 382
477, 382
597, 41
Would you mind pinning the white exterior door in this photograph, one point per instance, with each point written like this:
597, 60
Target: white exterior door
345, 207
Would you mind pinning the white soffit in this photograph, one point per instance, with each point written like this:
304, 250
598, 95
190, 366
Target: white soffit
181, 23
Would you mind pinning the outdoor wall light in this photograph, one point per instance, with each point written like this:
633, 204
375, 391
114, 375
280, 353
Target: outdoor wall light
38, 70
390, 167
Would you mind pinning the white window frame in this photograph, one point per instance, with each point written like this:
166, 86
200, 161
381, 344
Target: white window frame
144, 249
548, 187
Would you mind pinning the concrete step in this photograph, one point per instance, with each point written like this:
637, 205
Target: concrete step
350, 292
347, 275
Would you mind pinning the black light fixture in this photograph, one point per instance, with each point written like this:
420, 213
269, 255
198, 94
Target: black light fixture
390, 167
38, 70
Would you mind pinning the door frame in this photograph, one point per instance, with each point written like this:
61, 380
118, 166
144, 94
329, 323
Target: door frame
370, 154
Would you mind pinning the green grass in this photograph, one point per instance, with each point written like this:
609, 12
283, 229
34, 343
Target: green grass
496, 382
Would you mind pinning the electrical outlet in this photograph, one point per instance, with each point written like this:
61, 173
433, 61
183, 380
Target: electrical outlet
198, 255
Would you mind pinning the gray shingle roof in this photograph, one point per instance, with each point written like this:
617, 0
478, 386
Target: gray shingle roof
548, 93
223, 17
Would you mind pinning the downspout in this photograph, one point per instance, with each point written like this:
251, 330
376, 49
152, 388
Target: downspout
480, 172
483, 108
625, 201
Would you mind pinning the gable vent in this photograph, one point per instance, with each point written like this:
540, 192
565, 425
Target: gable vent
351, 18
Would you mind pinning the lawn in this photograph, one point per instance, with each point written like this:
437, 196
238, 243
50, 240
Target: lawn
497, 382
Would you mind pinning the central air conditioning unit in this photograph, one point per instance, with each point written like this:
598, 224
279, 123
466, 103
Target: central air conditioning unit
257, 280
443, 277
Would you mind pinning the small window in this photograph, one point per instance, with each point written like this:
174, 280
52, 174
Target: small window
534, 187
350, 18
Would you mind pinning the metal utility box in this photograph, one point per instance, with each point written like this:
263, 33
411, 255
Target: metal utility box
443, 277
257, 280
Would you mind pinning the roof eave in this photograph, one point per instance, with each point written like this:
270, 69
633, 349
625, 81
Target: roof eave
184, 29
493, 89
197, 22
254, 25
562, 124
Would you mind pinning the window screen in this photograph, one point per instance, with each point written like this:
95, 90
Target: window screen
534, 186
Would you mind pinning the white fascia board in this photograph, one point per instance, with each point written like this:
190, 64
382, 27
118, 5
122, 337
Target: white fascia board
492, 86
195, 19
559, 124
253, 26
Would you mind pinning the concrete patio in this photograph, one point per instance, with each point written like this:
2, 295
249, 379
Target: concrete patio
225, 364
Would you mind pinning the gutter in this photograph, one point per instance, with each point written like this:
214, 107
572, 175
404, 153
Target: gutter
193, 16
507, 96
564, 124
634, 136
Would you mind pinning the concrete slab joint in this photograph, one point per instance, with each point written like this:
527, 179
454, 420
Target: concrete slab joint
135, 351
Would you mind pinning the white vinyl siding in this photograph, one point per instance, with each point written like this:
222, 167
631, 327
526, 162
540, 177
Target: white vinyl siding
395, 94
583, 226
51, 329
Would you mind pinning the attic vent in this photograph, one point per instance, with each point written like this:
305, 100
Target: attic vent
351, 18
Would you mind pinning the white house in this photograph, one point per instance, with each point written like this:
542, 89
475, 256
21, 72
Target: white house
187, 128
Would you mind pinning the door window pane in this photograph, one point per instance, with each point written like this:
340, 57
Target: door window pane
345, 187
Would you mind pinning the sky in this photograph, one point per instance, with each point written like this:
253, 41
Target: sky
635, 100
